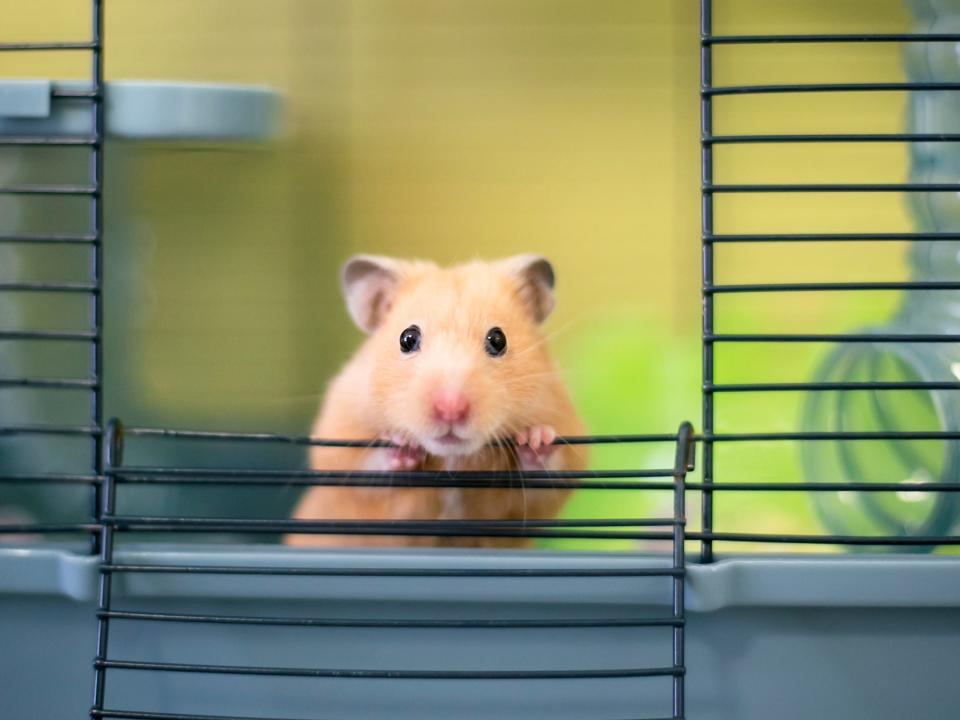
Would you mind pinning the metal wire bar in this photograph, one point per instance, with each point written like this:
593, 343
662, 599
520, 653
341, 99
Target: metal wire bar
50, 383
706, 230
829, 38
106, 497
25, 47
86, 430
65, 287
934, 487
828, 87
871, 337
426, 524
390, 623
134, 520
62, 239
101, 663
497, 475
457, 572
49, 190
774, 237
828, 539
59, 335
47, 528
141, 715
50, 140
137, 715
830, 138
74, 94
431, 480
51, 478
834, 286
832, 187
431, 528
683, 461
839, 435
847, 385
372, 443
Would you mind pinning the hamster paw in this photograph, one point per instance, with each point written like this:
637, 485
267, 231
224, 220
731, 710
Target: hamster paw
535, 446
406, 453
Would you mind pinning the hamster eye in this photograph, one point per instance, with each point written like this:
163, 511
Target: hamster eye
495, 343
410, 339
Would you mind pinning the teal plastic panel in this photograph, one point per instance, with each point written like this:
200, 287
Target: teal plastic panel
792, 638
145, 110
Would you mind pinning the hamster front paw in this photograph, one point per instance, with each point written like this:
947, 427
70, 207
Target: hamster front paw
535, 446
406, 453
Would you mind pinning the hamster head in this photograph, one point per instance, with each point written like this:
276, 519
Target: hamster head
456, 355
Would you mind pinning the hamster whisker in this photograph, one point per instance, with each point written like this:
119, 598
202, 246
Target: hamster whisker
550, 336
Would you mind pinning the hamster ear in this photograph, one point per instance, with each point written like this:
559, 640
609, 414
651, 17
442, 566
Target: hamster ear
536, 280
369, 285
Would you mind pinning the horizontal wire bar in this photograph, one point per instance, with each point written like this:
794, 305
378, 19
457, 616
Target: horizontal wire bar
829, 138
51, 383
49, 190
140, 715
23, 47
395, 479
832, 337
827, 87
385, 623
323, 442
829, 38
816, 386
835, 435
143, 715
64, 335
391, 571
825, 539
830, 187
50, 140
343, 524
499, 475
390, 674
832, 286
73, 94
86, 430
45, 528
67, 287
831, 237
360, 527
932, 487
18, 239
51, 479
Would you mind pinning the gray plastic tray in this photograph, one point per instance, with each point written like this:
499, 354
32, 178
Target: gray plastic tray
786, 637
144, 110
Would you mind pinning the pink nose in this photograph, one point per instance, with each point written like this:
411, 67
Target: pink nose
451, 407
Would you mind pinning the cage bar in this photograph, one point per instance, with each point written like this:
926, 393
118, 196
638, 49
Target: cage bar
706, 230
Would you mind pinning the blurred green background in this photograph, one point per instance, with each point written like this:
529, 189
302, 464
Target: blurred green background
450, 130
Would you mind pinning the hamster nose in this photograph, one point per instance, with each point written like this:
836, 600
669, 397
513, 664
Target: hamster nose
452, 407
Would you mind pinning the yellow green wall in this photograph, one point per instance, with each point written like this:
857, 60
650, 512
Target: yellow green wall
452, 129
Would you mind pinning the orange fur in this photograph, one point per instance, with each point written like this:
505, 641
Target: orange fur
382, 391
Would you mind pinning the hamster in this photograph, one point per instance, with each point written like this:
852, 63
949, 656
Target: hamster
455, 361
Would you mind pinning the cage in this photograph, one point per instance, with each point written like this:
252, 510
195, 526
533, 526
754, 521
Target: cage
143, 569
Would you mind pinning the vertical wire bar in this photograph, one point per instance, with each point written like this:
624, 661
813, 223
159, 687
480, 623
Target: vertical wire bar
684, 461
112, 452
706, 210
98, 109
